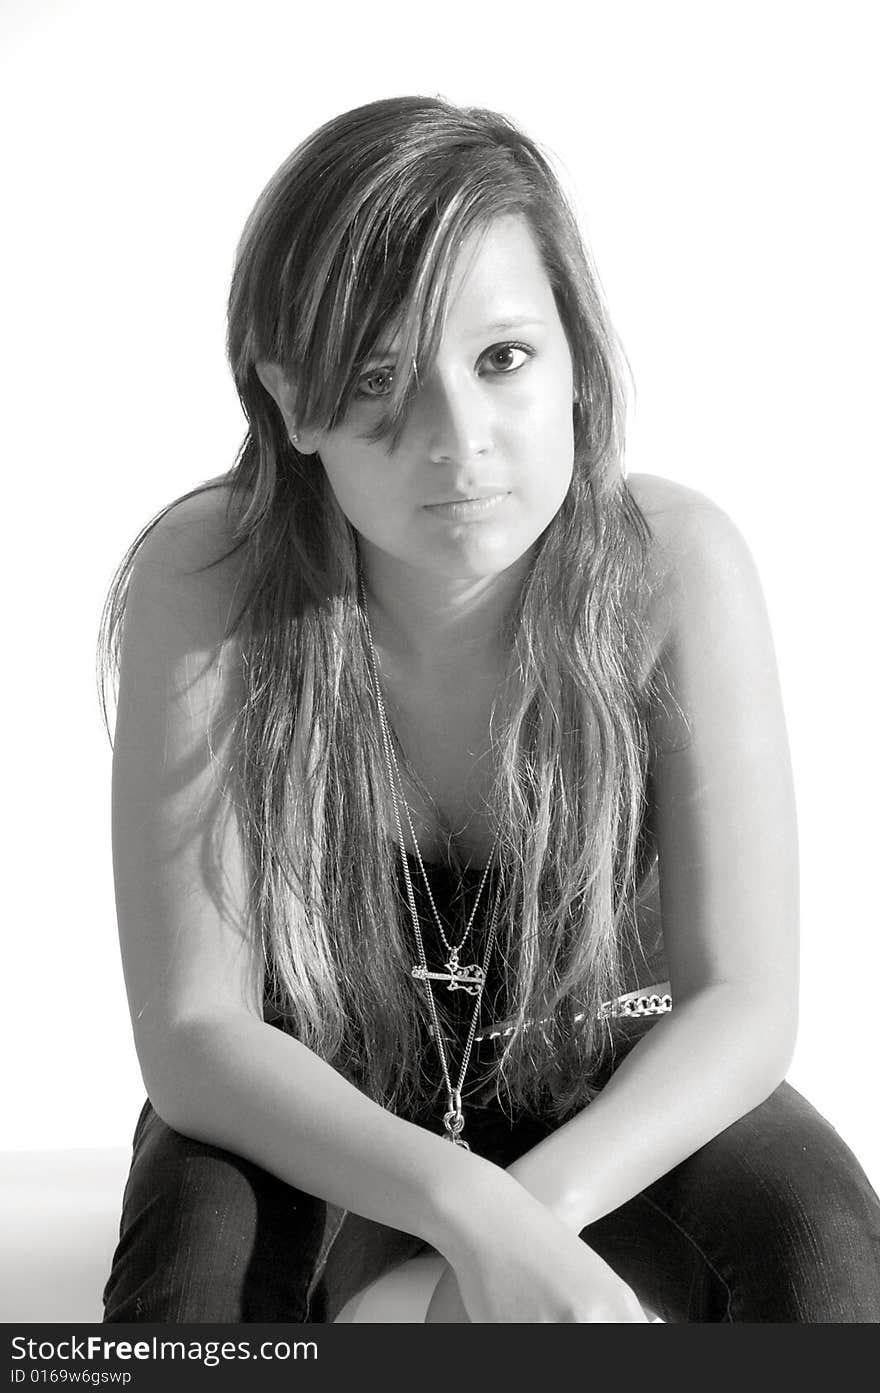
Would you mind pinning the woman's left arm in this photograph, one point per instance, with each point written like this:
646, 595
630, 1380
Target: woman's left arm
724, 815
727, 844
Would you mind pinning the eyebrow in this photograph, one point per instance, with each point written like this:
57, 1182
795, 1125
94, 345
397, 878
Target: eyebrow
501, 326
498, 326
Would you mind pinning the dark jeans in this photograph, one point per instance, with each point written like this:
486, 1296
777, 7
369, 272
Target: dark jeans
773, 1220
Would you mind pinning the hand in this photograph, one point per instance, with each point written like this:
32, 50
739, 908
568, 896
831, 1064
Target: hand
516, 1263
446, 1306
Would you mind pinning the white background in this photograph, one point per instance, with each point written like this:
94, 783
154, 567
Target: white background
722, 158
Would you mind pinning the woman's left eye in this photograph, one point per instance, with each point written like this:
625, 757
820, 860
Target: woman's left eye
506, 357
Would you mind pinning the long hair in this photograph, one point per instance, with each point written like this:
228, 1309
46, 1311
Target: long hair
354, 236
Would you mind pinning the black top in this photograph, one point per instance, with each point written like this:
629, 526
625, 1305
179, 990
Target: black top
454, 894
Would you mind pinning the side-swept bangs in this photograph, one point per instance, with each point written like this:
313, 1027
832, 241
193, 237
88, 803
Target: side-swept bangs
353, 242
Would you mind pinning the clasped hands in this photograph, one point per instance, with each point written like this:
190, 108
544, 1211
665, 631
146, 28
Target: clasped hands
521, 1264
447, 1307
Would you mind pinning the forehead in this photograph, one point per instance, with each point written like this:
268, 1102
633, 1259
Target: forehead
498, 275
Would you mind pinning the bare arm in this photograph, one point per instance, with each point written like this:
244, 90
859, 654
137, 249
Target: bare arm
213, 1069
725, 822
726, 830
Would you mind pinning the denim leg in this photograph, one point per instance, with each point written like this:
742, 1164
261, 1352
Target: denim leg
773, 1220
208, 1236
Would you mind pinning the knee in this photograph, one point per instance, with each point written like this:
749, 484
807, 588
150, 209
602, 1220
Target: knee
801, 1239
208, 1236
814, 1250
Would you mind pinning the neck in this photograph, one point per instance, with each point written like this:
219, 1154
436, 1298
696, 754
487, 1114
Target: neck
437, 624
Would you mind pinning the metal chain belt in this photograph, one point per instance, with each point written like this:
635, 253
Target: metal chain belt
656, 1001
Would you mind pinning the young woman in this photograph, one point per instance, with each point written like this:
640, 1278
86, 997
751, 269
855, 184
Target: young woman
447, 759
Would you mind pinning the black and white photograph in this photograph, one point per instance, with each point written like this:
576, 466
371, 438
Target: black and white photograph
442, 460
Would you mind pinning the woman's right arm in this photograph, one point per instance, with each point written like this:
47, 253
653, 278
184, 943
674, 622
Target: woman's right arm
214, 1070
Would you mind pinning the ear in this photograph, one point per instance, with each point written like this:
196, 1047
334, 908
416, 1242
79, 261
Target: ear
281, 390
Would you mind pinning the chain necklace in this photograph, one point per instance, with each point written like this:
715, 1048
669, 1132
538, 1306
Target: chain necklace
470, 979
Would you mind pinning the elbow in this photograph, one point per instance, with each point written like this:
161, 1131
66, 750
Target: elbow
771, 1074
170, 1087
175, 1101
757, 1034
180, 1072
780, 1032
771, 1026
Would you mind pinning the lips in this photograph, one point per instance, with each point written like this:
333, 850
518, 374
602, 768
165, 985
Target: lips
470, 507
469, 495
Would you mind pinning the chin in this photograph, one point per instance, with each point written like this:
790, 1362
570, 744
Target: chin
479, 559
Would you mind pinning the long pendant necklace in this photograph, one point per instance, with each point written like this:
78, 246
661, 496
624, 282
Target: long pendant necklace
470, 978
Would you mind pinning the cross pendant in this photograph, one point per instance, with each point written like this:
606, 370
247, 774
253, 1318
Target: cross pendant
457, 978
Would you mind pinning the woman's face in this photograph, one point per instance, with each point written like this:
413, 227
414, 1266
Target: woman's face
486, 453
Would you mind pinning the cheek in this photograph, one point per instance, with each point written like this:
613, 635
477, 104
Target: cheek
547, 444
348, 476
365, 489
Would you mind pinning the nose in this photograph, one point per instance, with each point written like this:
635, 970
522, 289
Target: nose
456, 419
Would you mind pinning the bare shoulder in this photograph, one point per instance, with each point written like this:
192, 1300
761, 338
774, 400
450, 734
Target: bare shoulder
180, 866
713, 646
193, 533
180, 669
700, 561
188, 566
681, 518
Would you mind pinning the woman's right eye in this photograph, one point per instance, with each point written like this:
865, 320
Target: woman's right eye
377, 383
